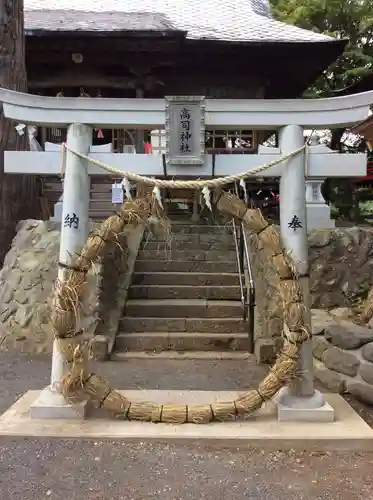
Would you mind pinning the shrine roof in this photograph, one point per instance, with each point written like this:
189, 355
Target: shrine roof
364, 129
220, 20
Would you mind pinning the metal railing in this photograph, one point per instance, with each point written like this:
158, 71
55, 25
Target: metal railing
247, 287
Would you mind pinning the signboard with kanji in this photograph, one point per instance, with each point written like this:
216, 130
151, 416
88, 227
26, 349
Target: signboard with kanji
185, 130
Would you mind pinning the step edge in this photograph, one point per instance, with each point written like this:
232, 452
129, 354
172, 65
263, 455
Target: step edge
172, 354
170, 286
182, 334
188, 261
164, 318
182, 302
180, 273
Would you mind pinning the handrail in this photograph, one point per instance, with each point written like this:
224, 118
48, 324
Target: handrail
247, 293
251, 291
240, 268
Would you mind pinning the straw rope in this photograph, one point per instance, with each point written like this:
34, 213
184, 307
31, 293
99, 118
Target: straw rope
192, 184
80, 383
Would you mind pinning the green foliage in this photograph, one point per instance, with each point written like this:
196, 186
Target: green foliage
342, 19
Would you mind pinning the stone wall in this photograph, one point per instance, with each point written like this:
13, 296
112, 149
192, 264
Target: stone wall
341, 274
268, 309
343, 354
28, 276
115, 277
341, 268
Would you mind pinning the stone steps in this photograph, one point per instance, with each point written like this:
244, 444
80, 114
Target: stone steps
194, 239
186, 245
219, 292
203, 266
183, 308
205, 229
187, 255
182, 325
184, 278
181, 341
184, 299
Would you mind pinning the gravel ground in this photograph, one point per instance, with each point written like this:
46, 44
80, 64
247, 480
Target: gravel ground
34, 469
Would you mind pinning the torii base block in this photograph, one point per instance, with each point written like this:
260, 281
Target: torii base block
296, 409
51, 405
262, 430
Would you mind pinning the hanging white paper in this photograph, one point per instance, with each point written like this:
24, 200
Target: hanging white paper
207, 197
127, 188
158, 195
20, 128
117, 194
243, 186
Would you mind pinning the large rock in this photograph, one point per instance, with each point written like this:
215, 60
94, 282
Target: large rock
347, 335
334, 381
320, 320
366, 372
319, 346
361, 391
341, 361
367, 352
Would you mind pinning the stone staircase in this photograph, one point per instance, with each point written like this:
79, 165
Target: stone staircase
184, 300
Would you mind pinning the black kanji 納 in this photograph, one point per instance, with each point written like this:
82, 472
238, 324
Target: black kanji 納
71, 220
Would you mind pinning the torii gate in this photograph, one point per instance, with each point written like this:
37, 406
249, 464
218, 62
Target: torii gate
186, 157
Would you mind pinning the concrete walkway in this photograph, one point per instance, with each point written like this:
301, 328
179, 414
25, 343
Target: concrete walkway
107, 470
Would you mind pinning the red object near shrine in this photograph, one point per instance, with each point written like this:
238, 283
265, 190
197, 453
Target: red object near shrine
369, 176
148, 148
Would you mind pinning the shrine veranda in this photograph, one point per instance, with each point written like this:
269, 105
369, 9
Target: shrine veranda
300, 167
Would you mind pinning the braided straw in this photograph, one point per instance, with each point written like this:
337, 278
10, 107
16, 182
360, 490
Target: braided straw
212, 183
80, 383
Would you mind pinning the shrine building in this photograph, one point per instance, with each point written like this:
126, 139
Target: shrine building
155, 48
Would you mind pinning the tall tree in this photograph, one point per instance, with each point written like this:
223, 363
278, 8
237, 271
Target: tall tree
348, 19
18, 193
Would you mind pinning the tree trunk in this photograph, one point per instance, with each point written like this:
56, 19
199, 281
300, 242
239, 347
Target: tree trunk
19, 196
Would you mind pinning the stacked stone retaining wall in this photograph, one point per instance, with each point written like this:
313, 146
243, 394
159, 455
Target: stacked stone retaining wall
343, 353
341, 274
28, 276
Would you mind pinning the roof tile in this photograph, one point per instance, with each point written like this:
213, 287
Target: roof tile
226, 20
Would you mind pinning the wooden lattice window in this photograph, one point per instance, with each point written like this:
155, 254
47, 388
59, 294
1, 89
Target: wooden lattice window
55, 135
230, 141
123, 140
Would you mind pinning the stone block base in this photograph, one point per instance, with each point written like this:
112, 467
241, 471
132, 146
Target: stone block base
303, 409
99, 347
52, 405
318, 217
265, 350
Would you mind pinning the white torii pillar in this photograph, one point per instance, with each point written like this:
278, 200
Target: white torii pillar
74, 233
299, 401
